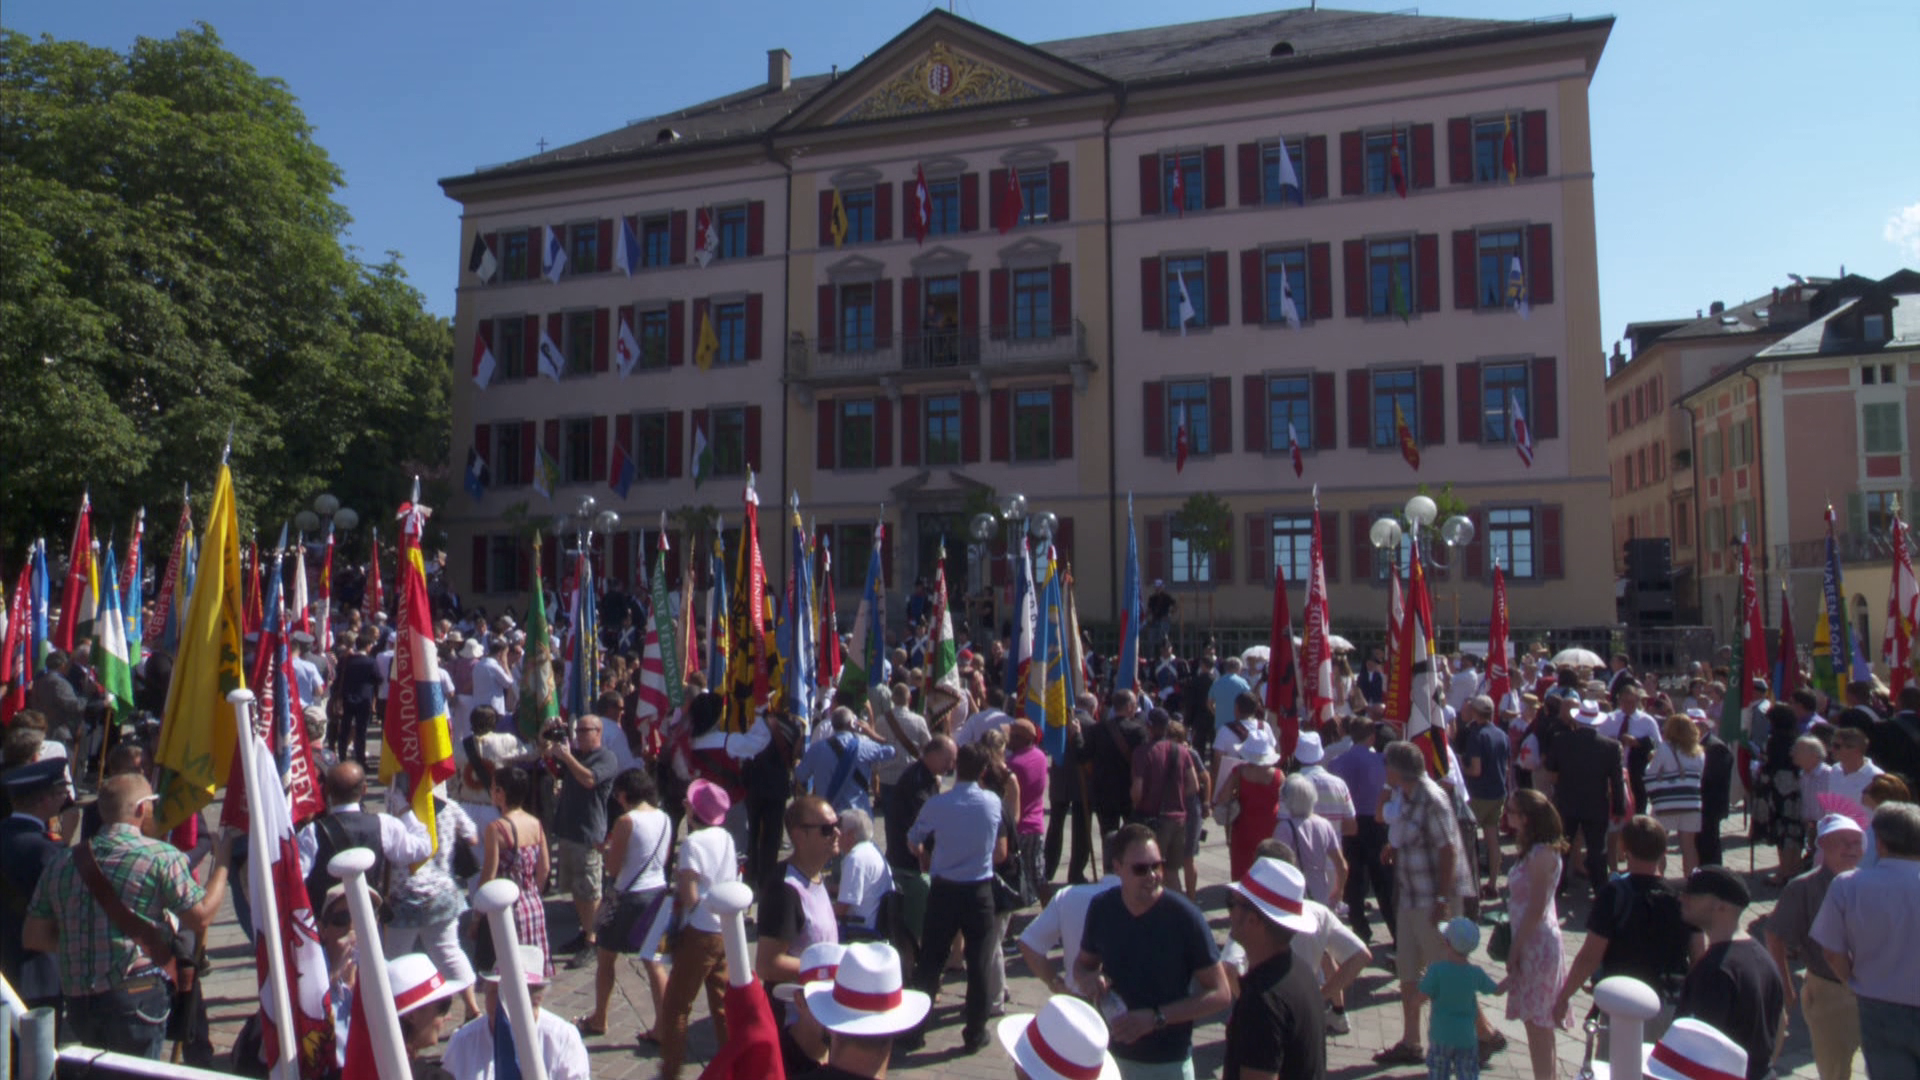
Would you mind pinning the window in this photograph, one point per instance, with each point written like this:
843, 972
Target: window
1289, 401
1876, 508
506, 463
1033, 425
1710, 461
943, 429
1659, 461
656, 241
1500, 384
577, 342
1390, 389
1876, 373
1716, 528
940, 330
1880, 428
513, 256
1510, 541
503, 564
1873, 327
1293, 545
510, 347
856, 316
651, 447
1187, 405
1379, 150
731, 222
1284, 272
729, 434
730, 326
1036, 195
1390, 276
583, 247
1186, 564
852, 551
1033, 303
1499, 256
1682, 526
943, 197
1190, 271
1740, 446
653, 333
576, 451
1270, 190
1188, 166
1489, 142
859, 204
856, 434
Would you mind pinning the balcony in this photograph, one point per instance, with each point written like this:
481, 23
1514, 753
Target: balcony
939, 354
1854, 548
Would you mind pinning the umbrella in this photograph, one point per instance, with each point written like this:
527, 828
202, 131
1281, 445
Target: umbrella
1580, 658
1256, 652
1339, 643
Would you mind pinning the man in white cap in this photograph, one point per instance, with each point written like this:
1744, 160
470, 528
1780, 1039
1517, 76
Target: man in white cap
1331, 798
862, 1009
472, 1050
1066, 1041
1695, 1050
1832, 1013
1278, 1025
1588, 789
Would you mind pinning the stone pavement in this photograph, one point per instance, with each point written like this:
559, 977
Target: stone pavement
1373, 1008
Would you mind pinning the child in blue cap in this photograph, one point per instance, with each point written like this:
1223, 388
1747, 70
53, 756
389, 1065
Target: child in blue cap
1453, 987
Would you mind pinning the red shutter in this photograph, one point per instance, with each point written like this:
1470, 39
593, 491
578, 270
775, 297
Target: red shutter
1153, 419
1353, 253
1063, 540
969, 427
1316, 178
823, 412
1359, 543
677, 237
623, 434
1433, 404
823, 329
553, 331
1215, 181
1551, 562
1543, 411
754, 305
883, 313
1150, 299
1250, 186
1476, 552
599, 448
882, 432
1001, 427
1353, 163
883, 212
529, 345
756, 228
1254, 388
909, 429
550, 434
1220, 412
676, 444
1533, 143
622, 557
1466, 287
1540, 264
1426, 270
826, 218
1218, 311
1466, 396
1326, 435
1320, 280
1423, 155
673, 567
906, 208
999, 299
1063, 423
483, 443
1156, 550
600, 320
970, 304
550, 564
1252, 295
970, 202
996, 195
1330, 543
1359, 413
754, 460
910, 311
1061, 294
525, 475
1259, 550
1149, 184
479, 564
536, 245
1460, 150
1057, 193
1222, 560
604, 246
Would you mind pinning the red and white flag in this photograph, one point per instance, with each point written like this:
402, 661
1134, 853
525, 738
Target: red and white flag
292, 918
1903, 607
1522, 434
1180, 448
1499, 656
1177, 191
706, 238
920, 214
1012, 203
1316, 658
483, 362
1293, 451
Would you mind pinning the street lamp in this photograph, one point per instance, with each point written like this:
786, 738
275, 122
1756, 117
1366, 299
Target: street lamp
584, 521
1420, 512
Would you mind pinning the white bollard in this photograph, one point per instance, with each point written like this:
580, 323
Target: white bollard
375, 990
1629, 1004
495, 900
730, 900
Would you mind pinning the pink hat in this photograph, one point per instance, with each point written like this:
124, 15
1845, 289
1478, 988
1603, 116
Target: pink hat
708, 802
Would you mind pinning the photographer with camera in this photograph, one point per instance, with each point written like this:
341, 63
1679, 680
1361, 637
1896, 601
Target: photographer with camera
586, 769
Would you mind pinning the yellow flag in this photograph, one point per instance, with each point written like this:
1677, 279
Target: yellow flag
707, 346
839, 226
197, 731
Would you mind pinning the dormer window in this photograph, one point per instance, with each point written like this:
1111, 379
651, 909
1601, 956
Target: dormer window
1873, 327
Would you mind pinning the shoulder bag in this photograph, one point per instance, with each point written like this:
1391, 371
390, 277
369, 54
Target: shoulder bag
160, 947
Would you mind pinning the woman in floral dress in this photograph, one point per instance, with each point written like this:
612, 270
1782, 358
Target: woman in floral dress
1536, 963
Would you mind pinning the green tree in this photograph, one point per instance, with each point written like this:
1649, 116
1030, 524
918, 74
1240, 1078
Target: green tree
172, 269
1205, 522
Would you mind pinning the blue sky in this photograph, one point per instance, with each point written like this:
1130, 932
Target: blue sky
1733, 143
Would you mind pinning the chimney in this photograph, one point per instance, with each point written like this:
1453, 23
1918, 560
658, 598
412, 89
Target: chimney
1716, 308
779, 69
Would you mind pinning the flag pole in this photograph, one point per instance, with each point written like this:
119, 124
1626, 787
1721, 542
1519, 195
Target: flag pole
375, 987
260, 887
495, 900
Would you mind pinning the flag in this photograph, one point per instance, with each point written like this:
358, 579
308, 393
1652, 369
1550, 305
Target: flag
1316, 658
802, 653
483, 362
480, 260
416, 743
1177, 191
1903, 608
1517, 288
278, 703
620, 473
111, 662
1126, 674
539, 698
752, 1049
1079, 676
553, 261
1289, 310
626, 347
546, 472
702, 454
300, 602
1403, 434
717, 638
1293, 451
1180, 446
659, 652
1396, 171
863, 665
1048, 704
945, 693
132, 597
1509, 156
1753, 644
1025, 609
1012, 203
41, 601
16, 664
837, 225
1283, 676
1786, 670
582, 671
477, 474
1521, 433
626, 247
1421, 722
746, 683
829, 667
553, 363
1290, 179
1186, 302
1397, 295
706, 237
325, 603
1839, 631
920, 214
707, 343
506, 1053
375, 600
159, 630
1499, 657
76, 597
197, 730
256, 613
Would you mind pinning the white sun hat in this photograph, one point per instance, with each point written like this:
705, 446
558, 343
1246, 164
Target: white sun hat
1067, 1040
867, 995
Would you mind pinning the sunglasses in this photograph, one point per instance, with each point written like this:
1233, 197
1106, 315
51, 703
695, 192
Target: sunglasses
1145, 869
825, 828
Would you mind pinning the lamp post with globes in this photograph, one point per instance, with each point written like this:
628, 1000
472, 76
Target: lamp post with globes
1418, 532
326, 510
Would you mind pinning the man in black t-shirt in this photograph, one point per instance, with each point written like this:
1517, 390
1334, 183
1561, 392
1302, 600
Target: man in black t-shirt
1735, 986
1278, 1024
1112, 743
1636, 927
919, 783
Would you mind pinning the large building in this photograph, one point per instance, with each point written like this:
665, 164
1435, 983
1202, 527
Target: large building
1120, 267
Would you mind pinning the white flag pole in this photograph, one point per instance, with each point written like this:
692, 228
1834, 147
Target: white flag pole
376, 989
495, 900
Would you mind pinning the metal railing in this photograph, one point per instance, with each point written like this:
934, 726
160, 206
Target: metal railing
934, 350
1853, 547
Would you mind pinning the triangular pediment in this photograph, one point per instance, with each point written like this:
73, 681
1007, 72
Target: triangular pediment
939, 64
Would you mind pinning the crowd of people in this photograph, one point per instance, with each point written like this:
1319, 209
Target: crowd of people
890, 844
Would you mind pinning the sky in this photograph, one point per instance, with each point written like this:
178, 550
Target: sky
1733, 143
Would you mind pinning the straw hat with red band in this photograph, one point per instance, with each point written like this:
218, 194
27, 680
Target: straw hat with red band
818, 962
1694, 1050
867, 995
1066, 1041
1279, 891
417, 983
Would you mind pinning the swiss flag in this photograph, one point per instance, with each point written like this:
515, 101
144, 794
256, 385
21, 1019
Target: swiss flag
1177, 195
1012, 205
922, 210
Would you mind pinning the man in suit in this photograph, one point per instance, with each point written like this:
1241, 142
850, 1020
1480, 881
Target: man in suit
39, 793
1589, 785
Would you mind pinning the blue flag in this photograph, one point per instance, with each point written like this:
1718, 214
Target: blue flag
620, 474
1127, 677
42, 589
801, 651
717, 613
583, 644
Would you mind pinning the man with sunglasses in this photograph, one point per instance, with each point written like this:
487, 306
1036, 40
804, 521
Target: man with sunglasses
796, 909
1143, 947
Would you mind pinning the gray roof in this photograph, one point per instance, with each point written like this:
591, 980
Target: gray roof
1821, 337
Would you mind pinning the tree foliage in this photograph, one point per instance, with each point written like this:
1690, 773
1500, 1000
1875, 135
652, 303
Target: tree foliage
172, 269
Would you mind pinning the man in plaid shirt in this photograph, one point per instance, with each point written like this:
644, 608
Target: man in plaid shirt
114, 995
1424, 847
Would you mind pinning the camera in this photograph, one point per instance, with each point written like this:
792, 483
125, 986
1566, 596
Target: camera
556, 733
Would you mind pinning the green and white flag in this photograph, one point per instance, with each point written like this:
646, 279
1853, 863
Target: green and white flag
110, 645
546, 472
946, 697
702, 456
